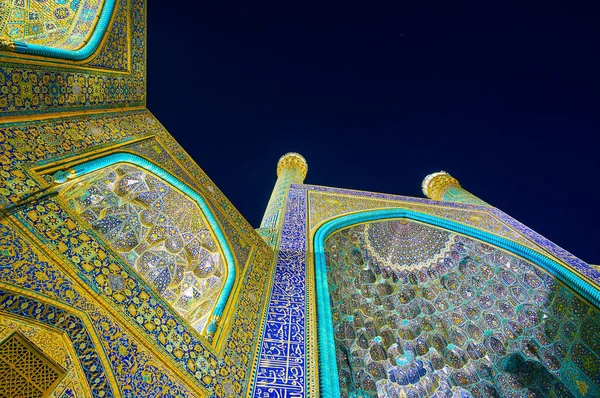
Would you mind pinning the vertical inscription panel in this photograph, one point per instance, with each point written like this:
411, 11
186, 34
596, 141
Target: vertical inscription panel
282, 359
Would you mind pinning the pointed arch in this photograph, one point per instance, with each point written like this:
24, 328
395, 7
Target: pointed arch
328, 372
123, 157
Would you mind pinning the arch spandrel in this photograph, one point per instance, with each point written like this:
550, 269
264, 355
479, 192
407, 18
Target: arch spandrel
330, 203
417, 307
159, 231
326, 204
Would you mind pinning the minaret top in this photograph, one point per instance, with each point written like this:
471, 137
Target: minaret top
435, 184
292, 160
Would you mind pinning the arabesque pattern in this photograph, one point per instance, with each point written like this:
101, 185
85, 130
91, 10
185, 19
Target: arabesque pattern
159, 231
135, 367
29, 88
41, 142
62, 24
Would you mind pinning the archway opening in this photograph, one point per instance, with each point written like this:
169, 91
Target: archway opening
410, 309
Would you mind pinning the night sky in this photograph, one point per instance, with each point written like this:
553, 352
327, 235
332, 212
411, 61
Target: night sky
375, 98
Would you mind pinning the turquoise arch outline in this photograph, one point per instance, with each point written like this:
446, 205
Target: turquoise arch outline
328, 373
122, 157
74, 55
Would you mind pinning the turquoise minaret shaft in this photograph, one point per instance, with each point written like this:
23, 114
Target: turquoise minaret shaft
443, 187
291, 168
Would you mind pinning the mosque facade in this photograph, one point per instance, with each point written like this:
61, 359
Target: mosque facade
126, 272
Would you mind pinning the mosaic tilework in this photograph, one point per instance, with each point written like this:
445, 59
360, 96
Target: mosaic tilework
282, 361
405, 244
56, 346
236, 369
271, 375
474, 321
592, 274
160, 232
59, 24
138, 303
26, 88
22, 90
153, 150
54, 86
93, 368
460, 195
40, 142
341, 201
29, 144
136, 370
25, 370
238, 242
114, 54
327, 202
148, 378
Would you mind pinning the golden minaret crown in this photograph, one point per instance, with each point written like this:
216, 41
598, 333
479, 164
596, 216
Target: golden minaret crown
436, 184
292, 160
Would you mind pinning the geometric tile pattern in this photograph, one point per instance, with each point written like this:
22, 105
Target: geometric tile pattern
49, 23
159, 231
85, 349
56, 346
405, 244
25, 371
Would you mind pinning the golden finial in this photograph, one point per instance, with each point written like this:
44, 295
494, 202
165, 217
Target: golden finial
292, 160
436, 184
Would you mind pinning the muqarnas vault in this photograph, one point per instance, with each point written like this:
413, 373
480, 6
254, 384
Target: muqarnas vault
125, 272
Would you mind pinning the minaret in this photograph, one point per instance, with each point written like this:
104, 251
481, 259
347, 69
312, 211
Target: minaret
291, 168
443, 187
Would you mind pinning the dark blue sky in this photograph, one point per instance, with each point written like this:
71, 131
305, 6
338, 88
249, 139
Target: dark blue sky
377, 97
